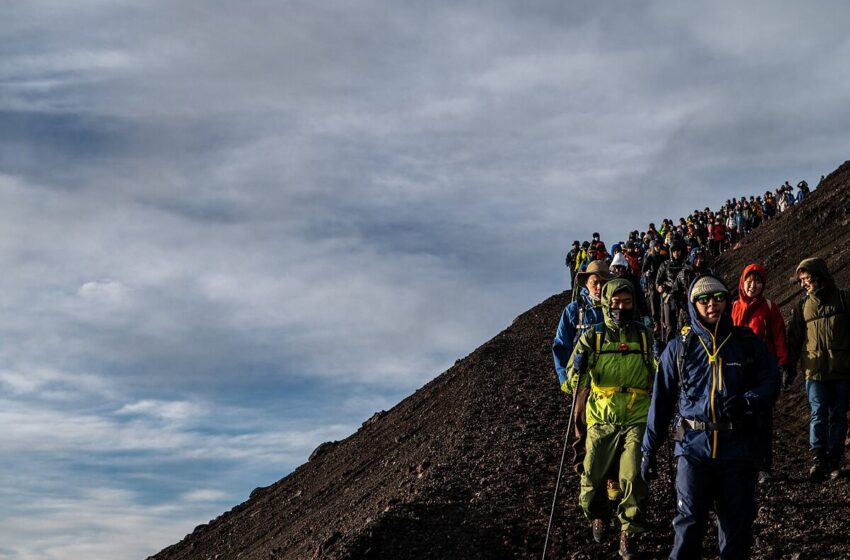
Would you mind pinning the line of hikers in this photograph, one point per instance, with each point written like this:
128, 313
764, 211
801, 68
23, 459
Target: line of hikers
714, 381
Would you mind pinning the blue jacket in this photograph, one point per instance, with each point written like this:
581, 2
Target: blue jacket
569, 329
706, 388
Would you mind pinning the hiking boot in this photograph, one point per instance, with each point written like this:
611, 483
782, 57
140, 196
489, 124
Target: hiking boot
614, 492
834, 469
765, 477
628, 547
600, 529
819, 471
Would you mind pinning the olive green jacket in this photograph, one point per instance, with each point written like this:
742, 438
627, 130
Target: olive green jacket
819, 330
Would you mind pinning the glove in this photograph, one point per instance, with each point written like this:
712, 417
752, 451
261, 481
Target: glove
736, 406
648, 467
789, 372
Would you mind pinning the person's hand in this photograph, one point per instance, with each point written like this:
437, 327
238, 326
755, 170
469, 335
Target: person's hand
789, 372
648, 467
736, 406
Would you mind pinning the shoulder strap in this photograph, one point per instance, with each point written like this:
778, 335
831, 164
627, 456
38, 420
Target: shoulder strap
600, 338
680, 358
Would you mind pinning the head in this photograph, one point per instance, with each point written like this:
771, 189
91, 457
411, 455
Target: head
594, 278
753, 284
618, 302
619, 265
576, 244
813, 275
710, 297
596, 236
698, 258
594, 285
809, 282
677, 250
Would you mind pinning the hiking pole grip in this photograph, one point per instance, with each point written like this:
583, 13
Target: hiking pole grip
560, 471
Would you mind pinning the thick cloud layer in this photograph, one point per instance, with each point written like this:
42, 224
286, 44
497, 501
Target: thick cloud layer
232, 231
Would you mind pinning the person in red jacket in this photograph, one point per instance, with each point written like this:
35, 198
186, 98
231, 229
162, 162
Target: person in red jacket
753, 310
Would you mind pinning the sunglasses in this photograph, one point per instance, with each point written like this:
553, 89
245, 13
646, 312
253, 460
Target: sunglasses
718, 297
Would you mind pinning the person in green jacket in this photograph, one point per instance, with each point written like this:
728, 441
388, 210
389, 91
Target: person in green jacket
615, 361
819, 338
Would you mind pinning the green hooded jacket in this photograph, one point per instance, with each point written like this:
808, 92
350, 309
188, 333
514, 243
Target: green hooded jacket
819, 330
621, 370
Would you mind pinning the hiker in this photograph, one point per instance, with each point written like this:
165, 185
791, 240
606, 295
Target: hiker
818, 335
655, 255
717, 237
615, 361
664, 281
731, 229
721, 378
696, 266
570, 262
579, 316
621, 269
804, 190
763, 316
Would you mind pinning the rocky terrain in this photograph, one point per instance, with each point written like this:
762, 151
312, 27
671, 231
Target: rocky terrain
465, 467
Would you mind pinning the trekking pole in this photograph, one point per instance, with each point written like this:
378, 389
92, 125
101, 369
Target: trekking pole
560, 470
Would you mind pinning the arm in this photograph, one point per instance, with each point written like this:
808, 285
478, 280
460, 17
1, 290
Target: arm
665, 392
577, 364
766, 383
562, 346
796, 333
777, 326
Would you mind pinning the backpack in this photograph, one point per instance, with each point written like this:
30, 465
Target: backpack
645, 348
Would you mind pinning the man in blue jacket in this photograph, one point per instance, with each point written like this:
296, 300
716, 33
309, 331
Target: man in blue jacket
579, 316
723, 379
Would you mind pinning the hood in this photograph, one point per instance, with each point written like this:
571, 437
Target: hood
608, 290
816, 267
758, 269
724, 325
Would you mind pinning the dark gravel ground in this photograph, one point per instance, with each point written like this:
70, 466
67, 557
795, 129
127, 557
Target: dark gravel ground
465, 467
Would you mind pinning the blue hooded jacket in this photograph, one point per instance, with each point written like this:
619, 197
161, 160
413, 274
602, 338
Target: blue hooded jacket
569, 328
707, 385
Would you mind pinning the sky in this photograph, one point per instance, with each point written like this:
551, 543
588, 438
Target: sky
233, 230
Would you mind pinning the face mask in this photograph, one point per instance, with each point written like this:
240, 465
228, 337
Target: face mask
622, 316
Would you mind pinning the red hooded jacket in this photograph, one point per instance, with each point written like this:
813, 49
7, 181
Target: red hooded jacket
761, 315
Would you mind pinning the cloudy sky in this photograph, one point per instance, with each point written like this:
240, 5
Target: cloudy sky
230, 231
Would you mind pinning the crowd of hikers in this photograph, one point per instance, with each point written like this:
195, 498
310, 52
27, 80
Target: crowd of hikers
652, 346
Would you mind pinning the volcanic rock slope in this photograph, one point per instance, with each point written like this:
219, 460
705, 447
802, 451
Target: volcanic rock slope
466, 466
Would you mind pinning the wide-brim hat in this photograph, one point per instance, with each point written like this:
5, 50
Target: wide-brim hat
596, 267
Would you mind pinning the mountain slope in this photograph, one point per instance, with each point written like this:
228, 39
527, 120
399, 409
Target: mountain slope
465, 467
